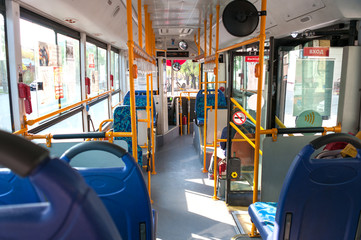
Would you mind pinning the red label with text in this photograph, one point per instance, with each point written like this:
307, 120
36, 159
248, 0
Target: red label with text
252, 59
316, 51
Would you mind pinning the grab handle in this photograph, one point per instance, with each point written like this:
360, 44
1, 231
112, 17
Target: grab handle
88, 146
19, 154
336, 137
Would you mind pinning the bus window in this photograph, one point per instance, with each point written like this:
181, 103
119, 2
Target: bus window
70, 62
72, 124
98, 112
114, 70
186, 78
96, 68
40, 66
311, 83
5, 114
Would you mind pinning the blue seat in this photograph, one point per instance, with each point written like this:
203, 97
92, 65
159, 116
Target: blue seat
73, 210
320, 198
16, 190
222, 103
122, 190
141, 102
122, 123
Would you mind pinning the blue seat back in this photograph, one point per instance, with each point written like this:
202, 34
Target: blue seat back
122, 123
141, 101
15, 190
321, 198
222, 103
121, 189
73, 210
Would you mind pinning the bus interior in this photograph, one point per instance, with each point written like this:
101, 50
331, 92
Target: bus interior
180, 119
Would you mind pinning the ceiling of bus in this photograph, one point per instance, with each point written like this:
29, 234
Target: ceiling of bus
180, 19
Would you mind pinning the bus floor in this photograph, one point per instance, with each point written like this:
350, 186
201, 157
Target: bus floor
182, 196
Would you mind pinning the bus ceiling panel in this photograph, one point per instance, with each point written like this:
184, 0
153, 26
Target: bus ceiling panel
105, 20
298, 16
98, 19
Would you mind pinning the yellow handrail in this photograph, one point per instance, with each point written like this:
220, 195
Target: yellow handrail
205, 102
102, 123
181, 110
49, 115
244, 111
244, 136
279, 123
131, 80
262, 38
250, 41
116, 105
215, 162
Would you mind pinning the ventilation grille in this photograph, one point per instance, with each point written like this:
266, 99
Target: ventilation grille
175, 31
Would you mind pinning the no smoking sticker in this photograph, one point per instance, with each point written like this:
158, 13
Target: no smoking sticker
239, 118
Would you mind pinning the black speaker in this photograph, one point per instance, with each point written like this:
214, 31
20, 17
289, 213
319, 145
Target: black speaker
240, 18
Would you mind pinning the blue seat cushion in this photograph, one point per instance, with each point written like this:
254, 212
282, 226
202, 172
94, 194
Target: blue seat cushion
122, 123
263, 216
141, 102
222, 103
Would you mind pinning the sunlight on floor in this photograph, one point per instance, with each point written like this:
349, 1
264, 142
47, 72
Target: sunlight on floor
195, 236
203, 204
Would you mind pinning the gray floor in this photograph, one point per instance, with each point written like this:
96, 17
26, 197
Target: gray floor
182, 196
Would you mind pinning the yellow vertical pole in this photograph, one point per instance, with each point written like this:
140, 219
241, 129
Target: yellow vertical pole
146, 20
259, 107
146, 27
152, 124
210, 34
140, 23
148, 127
199, 65
189, 113
152, 107
153, 41
205, 102
180, 114
215, 141
131, 79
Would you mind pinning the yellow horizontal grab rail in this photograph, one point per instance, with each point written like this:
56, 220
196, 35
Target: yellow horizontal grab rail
210, 58
140, 53
102, 123
252, 40
116, 105
49, 115
274, 131
235, 140
244, 136
244, 111
143, 120
21, 131
280, 123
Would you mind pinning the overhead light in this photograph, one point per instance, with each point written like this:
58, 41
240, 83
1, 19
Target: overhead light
70, 20
294, 34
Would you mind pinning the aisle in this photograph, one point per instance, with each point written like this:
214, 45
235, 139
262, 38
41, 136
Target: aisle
182, 195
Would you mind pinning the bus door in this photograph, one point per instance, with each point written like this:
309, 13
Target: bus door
240, 154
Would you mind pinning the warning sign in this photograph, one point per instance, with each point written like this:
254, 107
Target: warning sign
239, 118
